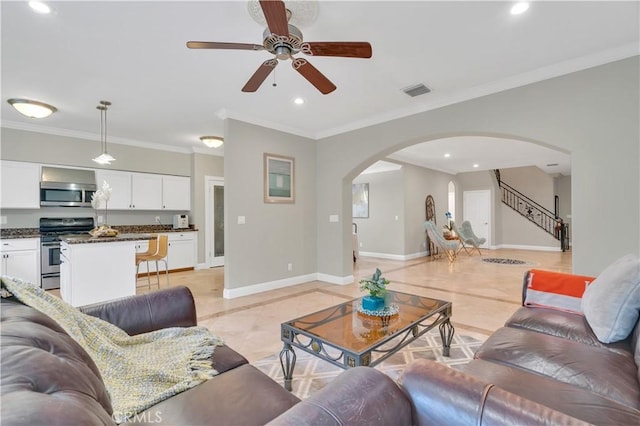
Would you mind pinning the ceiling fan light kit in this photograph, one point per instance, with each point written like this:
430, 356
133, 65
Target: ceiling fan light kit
32, 109
284, 40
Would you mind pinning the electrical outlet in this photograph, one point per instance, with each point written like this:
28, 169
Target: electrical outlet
289, 267
3, 220
100, 220
157, 219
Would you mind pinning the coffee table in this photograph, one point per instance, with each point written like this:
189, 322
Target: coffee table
346, 337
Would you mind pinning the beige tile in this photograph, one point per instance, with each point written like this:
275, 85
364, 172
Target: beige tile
483, 295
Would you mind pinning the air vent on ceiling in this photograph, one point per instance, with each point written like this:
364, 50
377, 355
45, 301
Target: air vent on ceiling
416, 90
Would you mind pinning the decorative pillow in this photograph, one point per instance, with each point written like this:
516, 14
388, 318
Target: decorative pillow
555, 290
611, 303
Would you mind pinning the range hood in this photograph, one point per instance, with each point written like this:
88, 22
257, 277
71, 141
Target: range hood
66, 187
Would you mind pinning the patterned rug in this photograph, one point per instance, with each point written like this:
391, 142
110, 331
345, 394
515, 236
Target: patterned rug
503, 261
312, 374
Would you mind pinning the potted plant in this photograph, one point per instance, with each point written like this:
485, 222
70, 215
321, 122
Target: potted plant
377, 288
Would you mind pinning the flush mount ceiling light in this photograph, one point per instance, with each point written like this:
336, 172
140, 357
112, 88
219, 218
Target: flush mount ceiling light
212, 141
32, 109
519, 8
103, 158
40, 7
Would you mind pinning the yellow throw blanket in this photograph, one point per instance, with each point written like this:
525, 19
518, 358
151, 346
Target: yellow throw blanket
138, 371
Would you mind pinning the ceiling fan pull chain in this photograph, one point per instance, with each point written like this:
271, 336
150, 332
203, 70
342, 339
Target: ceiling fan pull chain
274, 79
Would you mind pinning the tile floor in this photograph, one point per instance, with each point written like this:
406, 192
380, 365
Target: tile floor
484, 295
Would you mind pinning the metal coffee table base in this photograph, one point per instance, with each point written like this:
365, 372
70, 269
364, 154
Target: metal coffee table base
347, 359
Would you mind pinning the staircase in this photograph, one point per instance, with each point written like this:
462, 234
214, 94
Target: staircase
534, 213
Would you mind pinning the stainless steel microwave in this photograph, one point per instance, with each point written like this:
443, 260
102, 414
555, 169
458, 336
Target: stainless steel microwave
62, 187
63, 194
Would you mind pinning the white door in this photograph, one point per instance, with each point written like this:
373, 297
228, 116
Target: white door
476, 207
214, 210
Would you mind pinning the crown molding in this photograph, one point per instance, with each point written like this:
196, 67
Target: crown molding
529, 77
92, 136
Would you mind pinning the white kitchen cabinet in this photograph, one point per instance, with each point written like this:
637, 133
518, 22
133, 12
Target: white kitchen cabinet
120, 183
146, 191
21, 259
20, 185
176, 193
182, 252
97, 272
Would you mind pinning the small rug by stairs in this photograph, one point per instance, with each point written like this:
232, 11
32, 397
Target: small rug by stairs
312, 374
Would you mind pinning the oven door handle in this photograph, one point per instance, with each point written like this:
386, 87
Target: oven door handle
53, 244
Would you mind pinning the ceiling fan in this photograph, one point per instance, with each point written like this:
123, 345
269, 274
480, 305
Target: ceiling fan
285, 40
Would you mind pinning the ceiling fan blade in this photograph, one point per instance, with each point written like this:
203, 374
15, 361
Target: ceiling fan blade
260, 75
216, 45
276, 15
314, 76
345, 49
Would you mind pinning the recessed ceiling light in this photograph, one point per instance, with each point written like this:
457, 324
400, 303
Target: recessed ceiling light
447, 155
475, 166
32, 109
519, 8
298, 101
40, 7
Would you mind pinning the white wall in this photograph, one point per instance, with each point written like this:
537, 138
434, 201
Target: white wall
592, 113
274, 234
381, 233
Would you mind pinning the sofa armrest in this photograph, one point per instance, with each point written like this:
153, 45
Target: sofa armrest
442, 395
358, 396
171, 307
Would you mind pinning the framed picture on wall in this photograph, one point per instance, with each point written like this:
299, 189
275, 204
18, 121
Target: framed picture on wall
360, 192
279, 179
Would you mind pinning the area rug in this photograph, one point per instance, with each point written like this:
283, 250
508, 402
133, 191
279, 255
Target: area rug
312, 374
504, 261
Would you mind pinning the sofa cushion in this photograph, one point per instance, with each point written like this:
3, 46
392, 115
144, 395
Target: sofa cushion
44, 367
241, 396
574, 401
611, 303
599, 370
561, 324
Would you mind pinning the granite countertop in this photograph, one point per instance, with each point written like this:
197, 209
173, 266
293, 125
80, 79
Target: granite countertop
88, 239
16, 233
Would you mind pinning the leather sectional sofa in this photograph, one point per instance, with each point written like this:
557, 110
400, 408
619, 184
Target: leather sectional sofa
543, 367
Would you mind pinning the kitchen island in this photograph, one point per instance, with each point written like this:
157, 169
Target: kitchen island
94, 269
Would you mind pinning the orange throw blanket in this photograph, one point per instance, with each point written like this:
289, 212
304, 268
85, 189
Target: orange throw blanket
556, 290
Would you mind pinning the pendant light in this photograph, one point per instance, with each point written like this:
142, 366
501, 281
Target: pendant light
103, 158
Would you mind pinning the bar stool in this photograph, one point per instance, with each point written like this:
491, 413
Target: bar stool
157, 252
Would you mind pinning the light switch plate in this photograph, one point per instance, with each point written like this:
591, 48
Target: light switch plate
334, 218
241, 220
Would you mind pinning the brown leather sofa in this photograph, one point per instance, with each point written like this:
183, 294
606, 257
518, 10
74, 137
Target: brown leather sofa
543, 368
48, 379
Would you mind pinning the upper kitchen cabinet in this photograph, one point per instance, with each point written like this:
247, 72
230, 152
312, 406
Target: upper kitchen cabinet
176, 193
146, 191
20, 185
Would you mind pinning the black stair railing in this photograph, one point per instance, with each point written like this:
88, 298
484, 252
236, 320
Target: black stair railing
534, 212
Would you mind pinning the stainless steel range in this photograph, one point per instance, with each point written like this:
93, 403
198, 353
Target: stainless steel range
51, 229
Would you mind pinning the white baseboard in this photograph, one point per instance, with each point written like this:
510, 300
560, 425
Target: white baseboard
334, 279
523, 247
232, 293
393, 256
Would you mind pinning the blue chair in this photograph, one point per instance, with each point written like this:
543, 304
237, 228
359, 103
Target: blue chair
449, 247
467, 236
